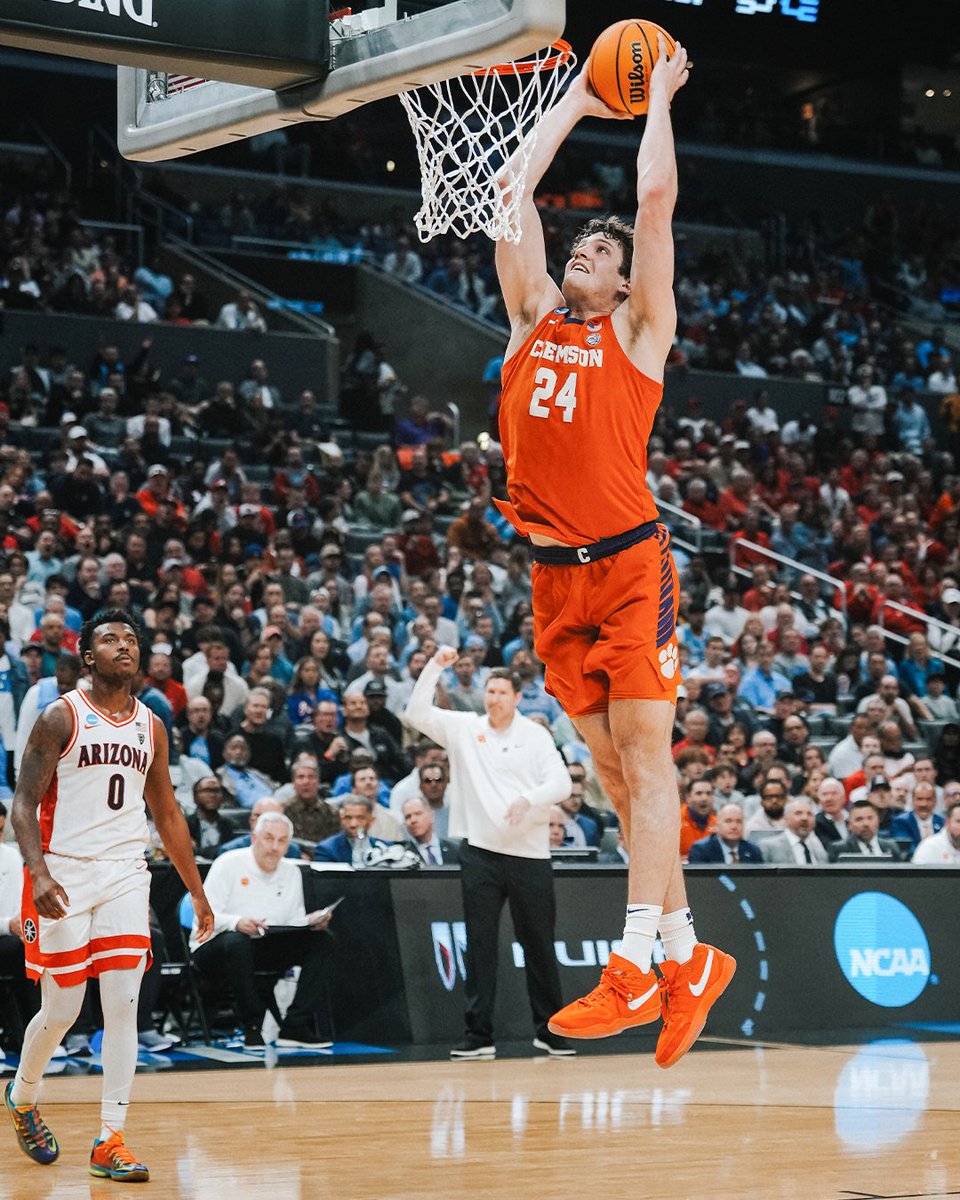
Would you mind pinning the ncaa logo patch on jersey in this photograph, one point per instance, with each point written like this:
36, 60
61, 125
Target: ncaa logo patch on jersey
91, 719
29, 930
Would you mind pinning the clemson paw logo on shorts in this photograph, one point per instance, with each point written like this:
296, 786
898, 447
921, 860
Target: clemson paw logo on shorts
669, 660
29, 930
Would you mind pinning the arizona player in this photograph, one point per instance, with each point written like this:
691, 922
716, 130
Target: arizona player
92, 759
582, 381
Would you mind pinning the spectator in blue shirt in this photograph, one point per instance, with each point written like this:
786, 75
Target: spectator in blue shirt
524, 641
246, 785
759, 686
914, 671
306, 692
534, 698
911, 422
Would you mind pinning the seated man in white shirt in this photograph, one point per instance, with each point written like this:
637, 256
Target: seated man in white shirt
942, 847
24, 994
419, 820
262, 925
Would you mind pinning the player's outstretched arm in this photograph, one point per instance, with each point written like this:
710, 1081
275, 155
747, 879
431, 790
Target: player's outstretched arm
650, 307
53, 730
528, 291
172, 828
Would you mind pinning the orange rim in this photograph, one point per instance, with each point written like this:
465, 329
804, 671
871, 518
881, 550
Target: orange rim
562, 52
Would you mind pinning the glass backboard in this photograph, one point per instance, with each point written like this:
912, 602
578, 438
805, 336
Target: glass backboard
168, 113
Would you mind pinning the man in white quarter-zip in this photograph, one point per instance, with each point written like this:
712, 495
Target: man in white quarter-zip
506, 773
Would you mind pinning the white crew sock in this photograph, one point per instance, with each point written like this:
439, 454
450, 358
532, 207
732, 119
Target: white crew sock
677, 935
639, 934
119, 994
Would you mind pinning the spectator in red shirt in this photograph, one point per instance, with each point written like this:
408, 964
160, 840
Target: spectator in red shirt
700, 506
156, 490
862, 596
294, 474
695, 727
735, 500
48, 517
416, 544
760, 594
772, 486
855, 476
697, 818
161, 677
750, 531
892, 618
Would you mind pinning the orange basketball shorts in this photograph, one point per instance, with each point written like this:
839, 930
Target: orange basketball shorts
606, 630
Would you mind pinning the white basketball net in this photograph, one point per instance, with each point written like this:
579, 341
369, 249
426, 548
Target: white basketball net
475, 136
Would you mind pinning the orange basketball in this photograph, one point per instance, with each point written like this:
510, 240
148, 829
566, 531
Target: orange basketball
621, 61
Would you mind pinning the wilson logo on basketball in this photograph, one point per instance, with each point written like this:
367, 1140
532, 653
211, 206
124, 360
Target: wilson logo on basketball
637, 75
141, 12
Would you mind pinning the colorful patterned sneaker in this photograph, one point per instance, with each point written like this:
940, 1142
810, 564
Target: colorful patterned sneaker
35, 1138
112, 1160
624, 997
692, 988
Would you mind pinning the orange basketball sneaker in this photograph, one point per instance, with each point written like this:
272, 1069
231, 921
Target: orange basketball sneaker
691, 989
110, 1159
624, 997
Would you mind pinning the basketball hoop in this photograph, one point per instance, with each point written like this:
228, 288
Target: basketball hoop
475, 135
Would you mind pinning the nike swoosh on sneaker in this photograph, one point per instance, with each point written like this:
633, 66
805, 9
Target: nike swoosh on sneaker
697, 988
635, 1004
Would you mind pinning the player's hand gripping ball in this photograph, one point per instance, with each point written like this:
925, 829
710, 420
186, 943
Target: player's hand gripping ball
621, 61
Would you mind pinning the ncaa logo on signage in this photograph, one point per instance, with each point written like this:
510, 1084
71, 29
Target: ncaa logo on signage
882, 950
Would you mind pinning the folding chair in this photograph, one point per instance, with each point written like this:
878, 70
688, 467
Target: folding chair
266, 980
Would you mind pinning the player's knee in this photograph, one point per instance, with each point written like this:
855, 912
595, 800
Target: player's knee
644, 770
60, 1007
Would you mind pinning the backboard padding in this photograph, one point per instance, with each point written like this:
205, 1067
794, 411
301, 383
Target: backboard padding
437, 44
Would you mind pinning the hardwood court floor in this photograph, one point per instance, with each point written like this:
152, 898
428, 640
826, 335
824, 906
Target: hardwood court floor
753, 1123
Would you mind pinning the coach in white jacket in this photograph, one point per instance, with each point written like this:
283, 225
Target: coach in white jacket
506, 773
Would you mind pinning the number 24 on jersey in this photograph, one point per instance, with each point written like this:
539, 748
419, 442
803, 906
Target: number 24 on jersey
546, 390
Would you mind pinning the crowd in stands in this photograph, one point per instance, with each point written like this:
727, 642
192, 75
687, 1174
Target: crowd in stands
830, 301
291, 594
291, 590
825, 307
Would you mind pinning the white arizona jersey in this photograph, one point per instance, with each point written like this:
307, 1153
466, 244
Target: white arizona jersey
94, 806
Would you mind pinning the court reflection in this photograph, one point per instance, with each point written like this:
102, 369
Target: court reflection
588, 1110
881, 1094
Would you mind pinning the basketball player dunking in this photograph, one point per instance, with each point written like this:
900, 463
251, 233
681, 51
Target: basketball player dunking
92, 759
582, 381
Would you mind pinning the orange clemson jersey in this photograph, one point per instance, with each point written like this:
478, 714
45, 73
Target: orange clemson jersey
575, 418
